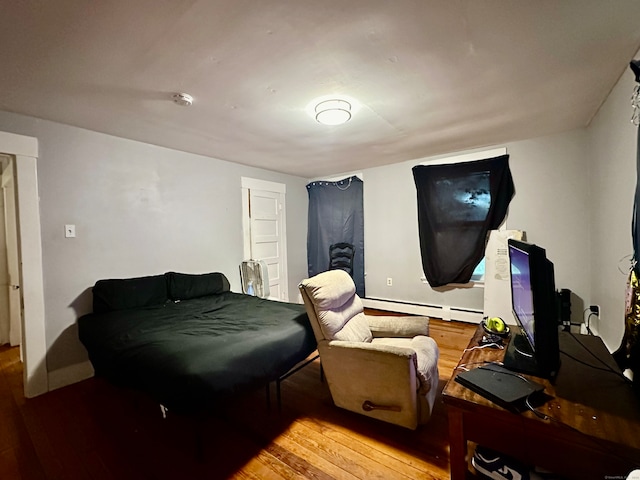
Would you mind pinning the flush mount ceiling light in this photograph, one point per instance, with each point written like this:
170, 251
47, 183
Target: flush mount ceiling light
182, 99
333, 112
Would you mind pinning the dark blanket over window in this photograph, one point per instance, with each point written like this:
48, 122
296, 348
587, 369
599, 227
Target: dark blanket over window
457, 206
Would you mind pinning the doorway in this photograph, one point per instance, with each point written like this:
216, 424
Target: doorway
264, 230
10, 310
24, 151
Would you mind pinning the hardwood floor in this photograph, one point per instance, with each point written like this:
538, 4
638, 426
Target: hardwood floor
94, 430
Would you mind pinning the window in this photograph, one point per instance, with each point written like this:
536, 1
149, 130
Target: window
478, 273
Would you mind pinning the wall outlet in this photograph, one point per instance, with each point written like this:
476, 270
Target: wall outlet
389, 282
595, 310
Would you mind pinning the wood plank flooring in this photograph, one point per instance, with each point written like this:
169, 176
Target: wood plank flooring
94, 430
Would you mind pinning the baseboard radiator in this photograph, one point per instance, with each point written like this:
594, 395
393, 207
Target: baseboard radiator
435, 311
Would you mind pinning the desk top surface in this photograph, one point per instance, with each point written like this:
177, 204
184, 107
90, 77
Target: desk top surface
586, 396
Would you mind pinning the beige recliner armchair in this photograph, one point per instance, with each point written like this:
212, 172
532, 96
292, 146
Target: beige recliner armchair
381, 366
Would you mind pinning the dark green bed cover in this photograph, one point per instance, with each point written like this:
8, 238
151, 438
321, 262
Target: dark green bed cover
189, 353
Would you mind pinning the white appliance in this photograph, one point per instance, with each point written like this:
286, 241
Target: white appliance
497, 275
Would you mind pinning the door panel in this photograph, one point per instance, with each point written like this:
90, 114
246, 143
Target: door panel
265, 235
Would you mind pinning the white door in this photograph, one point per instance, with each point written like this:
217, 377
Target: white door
265, 232
33, 349
13, 262
5, 326
10, 314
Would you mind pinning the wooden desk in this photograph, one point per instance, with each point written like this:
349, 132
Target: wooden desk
594, 426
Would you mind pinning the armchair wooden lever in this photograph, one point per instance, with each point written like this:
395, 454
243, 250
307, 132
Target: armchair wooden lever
367, 406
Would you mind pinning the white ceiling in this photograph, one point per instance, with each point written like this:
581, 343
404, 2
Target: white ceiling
433, 76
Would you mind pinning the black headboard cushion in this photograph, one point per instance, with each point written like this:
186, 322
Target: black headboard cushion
183, 286
121, 294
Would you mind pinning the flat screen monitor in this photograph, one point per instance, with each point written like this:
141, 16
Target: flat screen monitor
535, 349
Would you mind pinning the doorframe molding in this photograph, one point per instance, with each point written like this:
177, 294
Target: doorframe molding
34, 345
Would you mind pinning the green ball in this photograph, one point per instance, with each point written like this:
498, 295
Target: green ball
496, 324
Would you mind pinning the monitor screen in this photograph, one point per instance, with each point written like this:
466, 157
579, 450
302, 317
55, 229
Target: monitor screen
522, 292
535, 349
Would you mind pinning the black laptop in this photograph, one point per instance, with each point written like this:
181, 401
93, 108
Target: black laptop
503, 387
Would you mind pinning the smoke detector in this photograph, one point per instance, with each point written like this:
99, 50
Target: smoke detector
183, 99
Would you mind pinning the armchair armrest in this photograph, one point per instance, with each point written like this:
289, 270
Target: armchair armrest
403, 327
359, 348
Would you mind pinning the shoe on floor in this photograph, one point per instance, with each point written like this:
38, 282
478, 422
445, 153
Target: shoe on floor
502, 467
497, 466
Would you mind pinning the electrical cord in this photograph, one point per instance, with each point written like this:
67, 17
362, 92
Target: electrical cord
607, 367
493, 345
595, 367
588, 321
543, 416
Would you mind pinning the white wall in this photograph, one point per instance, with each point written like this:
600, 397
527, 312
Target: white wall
138, 210
550, 204
612, 147
574, 196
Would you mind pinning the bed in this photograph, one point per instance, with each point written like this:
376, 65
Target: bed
187, 340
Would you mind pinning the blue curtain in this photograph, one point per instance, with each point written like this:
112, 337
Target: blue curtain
336, 215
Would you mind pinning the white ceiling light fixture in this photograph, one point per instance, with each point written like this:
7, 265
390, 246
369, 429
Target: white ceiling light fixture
182, 99
333, 112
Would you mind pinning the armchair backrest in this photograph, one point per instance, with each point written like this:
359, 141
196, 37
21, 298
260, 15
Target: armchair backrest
334, 309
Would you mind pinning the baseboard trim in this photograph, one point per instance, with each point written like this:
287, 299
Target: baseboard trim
69, 375
435, 311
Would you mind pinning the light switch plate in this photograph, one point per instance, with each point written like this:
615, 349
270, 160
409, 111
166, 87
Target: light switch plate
70, 231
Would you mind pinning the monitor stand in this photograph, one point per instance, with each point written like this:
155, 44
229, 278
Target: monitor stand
520, 358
